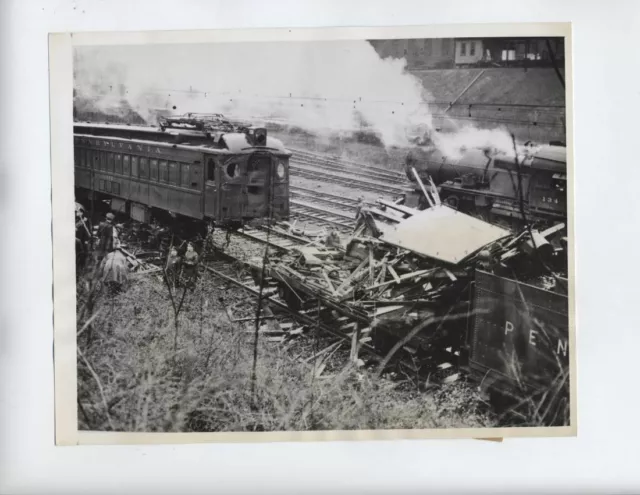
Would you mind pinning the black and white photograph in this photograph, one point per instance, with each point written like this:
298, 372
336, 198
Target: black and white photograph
314, 235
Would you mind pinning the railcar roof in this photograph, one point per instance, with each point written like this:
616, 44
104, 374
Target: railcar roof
234, 142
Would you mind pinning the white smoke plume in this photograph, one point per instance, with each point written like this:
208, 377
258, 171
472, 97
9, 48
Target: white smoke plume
323, 87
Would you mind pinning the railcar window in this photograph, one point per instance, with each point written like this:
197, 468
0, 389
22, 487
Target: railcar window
195, 174
463, 49
86, 159
110, 162
211, 167
134, 166
76, 157
118, 163
125, 164
186, 175
144, 168
472, 48
164, 172
153, 170
231, 170
174, 173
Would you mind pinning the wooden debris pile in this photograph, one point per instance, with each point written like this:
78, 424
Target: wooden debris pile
141, 263
404, 268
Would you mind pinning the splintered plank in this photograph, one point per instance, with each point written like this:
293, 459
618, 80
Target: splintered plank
401, 208
329, 284
393, 274
406, 276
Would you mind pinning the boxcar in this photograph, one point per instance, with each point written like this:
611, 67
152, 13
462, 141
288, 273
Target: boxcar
223, 178
518, 338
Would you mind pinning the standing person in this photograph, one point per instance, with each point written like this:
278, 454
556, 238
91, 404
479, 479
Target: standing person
359, 206
173, 267
190, 266
108, 235
83, 237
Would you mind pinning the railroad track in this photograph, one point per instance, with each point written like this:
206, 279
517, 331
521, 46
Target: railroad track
322, 216
391, 177
334, 161
348, 180
276, 237
333, 200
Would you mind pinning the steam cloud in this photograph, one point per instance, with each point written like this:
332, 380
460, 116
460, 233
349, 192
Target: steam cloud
322, 87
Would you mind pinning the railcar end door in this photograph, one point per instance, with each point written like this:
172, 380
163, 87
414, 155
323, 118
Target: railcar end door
211, 196
259, 194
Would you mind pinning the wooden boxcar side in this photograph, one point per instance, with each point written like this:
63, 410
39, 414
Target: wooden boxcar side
519, 334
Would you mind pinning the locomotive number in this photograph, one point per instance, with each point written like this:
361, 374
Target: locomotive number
549, 200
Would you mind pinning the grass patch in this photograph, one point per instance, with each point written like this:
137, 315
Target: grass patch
139, 371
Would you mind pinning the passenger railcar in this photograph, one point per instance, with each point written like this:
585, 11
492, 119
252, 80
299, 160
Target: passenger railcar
220, 178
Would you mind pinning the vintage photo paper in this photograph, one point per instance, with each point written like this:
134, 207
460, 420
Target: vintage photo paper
313, 234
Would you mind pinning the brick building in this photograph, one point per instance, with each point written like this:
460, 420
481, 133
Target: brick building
447, 53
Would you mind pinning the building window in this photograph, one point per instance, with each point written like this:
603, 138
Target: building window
508, 55
125, 164
472, 48
463, 49
118, 163
427, 48
110, 162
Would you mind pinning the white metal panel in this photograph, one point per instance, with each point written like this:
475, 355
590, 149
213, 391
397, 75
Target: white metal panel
444, 234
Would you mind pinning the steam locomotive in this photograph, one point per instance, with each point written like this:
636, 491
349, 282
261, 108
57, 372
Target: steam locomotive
497, 187
199, 171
